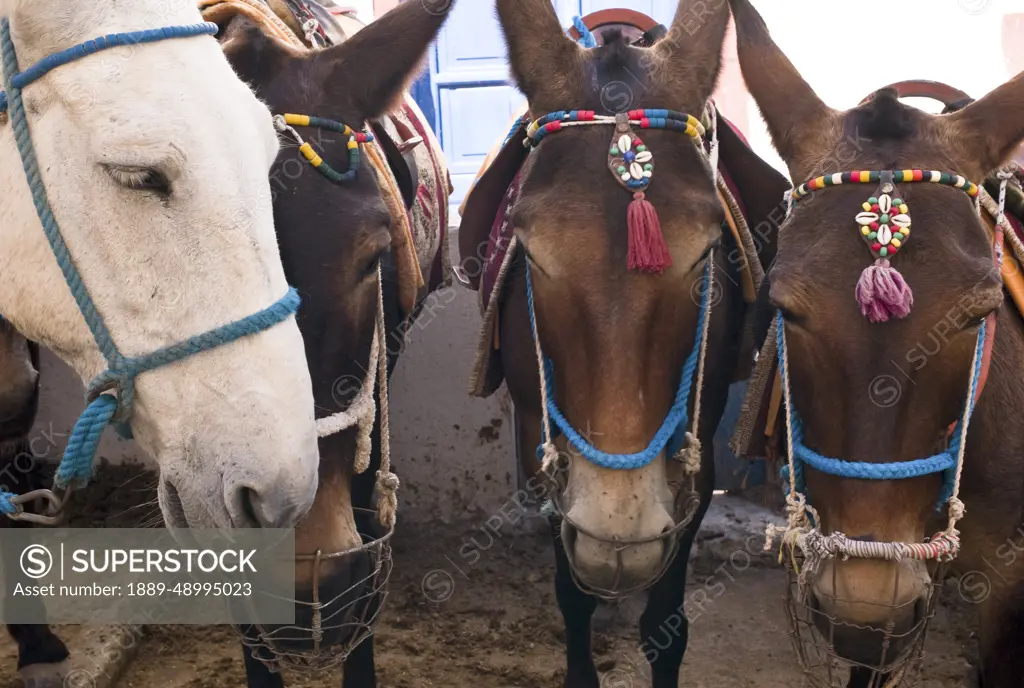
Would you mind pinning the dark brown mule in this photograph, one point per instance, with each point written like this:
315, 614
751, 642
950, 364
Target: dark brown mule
41, 655
890, 391
618, 339
333, 238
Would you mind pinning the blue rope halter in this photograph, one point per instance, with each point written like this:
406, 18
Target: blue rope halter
943, 462
103, 407
672, 432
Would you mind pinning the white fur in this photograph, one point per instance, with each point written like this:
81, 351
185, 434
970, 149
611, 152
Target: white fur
242, 414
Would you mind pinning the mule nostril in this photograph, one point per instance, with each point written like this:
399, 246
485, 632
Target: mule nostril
246, 509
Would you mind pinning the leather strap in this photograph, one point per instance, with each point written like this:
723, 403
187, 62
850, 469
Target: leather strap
921, 88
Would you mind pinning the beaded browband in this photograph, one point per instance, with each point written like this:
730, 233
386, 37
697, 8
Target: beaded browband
884, 224
632, 164
286, 123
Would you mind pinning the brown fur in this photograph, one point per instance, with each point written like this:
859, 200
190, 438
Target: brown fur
838, 358
617, 339
332, 238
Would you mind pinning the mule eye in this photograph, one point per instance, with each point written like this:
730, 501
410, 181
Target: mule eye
140, 179
370, 269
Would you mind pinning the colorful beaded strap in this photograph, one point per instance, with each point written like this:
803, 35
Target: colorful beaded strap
632, 163
884, 224
898, 176
286, 123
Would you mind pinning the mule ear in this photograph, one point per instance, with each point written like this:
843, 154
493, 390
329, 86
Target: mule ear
802, 127
992, 127
253, 55
544, 60
378, 64
688, 60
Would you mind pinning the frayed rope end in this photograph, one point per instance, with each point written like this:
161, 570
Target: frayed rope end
883, 293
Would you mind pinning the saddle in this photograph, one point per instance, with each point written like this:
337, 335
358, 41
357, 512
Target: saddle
763, 405
485, 233
406, 155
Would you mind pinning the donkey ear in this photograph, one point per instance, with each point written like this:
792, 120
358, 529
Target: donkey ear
688, 60
377, 64
543, 58
802, 127
253, 55
992, 127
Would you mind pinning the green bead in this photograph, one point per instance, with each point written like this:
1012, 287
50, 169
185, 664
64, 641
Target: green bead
872, 235
884, 219
897, 202
884, 251
898, 236
648, 166
641, 149
615, 150
872, 200
621, 170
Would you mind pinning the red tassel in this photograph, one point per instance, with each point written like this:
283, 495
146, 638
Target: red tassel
647, 249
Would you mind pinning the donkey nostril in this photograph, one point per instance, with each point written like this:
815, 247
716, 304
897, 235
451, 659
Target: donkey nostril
248, 508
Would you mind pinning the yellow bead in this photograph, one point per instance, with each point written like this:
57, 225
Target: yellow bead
896, 243
908, 175
866, 207
905, 231
904, 209
297, 120
865, 230
353, 144
865, 176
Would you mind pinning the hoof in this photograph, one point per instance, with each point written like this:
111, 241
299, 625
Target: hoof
47, 675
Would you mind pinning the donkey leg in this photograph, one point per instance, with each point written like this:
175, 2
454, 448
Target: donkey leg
664, 628
1001, 636
577, 609
360, 670
257, 675
42, 656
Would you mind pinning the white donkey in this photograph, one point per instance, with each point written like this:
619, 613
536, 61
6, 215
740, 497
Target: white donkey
155, 159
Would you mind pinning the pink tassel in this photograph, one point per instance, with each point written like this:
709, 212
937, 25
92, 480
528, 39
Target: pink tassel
883, 293
647, 249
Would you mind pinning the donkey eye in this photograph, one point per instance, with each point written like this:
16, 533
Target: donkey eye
140, 179
370, 268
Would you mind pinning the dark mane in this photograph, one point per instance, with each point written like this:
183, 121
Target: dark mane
883, 118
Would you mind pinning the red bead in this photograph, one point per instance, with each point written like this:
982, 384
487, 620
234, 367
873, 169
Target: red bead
645, 123
876, 247
892, 249
638, 142
855, 176
553, 126
918, 175
636, 114
874, 208
874, 225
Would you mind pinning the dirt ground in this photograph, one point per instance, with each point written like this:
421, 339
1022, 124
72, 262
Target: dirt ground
496, 624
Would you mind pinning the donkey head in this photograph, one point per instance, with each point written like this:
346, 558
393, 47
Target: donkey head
334, 237
877, 392
617, 338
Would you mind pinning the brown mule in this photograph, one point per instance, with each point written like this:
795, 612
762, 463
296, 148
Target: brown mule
618, 338
889, 391
338, 241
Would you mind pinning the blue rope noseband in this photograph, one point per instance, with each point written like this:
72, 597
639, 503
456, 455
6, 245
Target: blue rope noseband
103, 407
944, 462
670, 435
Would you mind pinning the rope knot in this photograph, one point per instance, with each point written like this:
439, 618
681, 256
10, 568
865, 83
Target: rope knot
956, 509
387, 482
639, 196
691, 454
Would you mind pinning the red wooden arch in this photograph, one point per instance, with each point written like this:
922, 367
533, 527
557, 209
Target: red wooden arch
615, 19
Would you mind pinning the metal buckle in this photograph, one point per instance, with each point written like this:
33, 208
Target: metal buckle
54, 512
